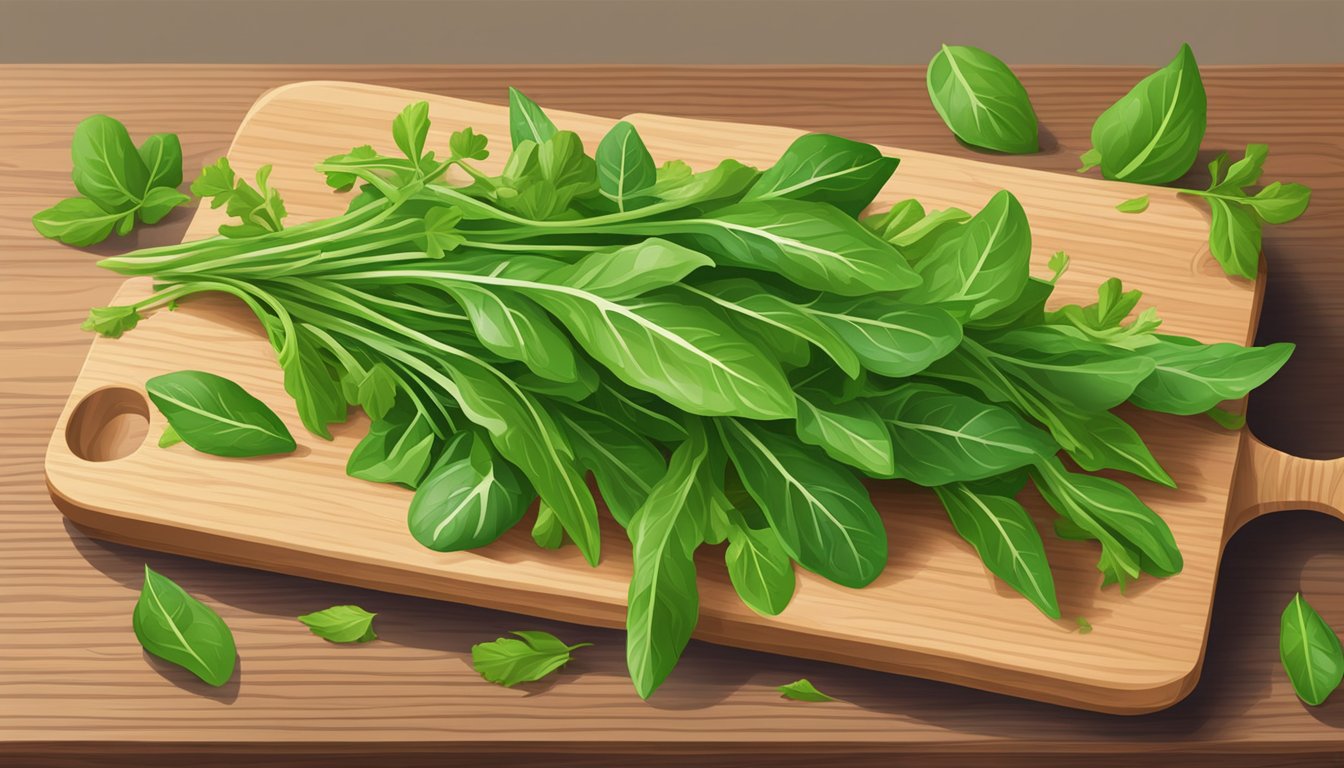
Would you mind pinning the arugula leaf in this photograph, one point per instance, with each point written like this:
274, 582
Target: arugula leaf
889, 337
624, 166
824, 168
1152, 134
625, 464
1004, 536
469, 500
626, 271
508, 662
820, 512
341, 624
664, 604
849, 432
178, 628
1104, 321
259, 208
942, 437
1310, 652
1134, 205
758, 566
1133, 538
1190, 378
216, 416
527, 122
398, 448
1237, 216
513, 326
802, 690
981, 100
983, 266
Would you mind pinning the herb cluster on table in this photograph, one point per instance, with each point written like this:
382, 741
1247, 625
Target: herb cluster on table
728, 353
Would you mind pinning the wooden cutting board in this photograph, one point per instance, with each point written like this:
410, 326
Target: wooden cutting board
935, 612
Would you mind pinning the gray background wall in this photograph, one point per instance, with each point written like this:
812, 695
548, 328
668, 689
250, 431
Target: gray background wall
667, 31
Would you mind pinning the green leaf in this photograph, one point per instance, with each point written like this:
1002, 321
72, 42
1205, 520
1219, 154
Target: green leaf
1084, 626
374, 389
942, 437
159, 202
821, 513
513, 326
981, 100
259, 208
111, 321
169, 437
758, 566
889, 337
310, 381
76, 221
1105, 441
1152, 134
1135, 205
108, 168
1226, 419
1089, 378
397, 449
664, 604
410, 128
1189, 377
677, 184
162, 156
802, 690
526, 120
547, 531
341, 624
776, 316
849, 432
441, 233
984, 267
813, 245
1234, 238
216, 416
508, 662
178, 628
1090, 159
826, 169
1133, 538
469, 500
1310, 652
541, 181
624, 166
1006, 539
624, 462
1279, 203
342, 171
1058, 265
895, 220
466, 144
682, 353
625, 271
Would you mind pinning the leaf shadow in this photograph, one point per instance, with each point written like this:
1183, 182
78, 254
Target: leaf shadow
184, 679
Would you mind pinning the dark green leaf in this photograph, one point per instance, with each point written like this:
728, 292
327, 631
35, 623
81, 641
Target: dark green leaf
469, 500
981, 100
821, 513
341, 624
943, 437
664, 604
624, 462
178, 628
889, 337
547, 531
802, 690
849, 432
397, 449
216, 416
1006, 539
162, 156
826, 169
1152, 134
758, 566
1190, 378
513, 326
108, 168
508, 662
624, 166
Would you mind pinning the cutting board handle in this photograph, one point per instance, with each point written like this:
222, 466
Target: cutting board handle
1269, 480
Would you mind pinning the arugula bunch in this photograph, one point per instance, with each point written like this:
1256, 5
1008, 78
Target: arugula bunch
727, 352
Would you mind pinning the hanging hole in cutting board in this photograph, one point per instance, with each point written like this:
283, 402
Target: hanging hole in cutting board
108, 424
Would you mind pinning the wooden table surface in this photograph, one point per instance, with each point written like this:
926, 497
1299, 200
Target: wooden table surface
76, 689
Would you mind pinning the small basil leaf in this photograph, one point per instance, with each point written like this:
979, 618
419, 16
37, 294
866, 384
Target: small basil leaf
341, 624
981, 100
624, 166
802, 690
162, 156
177, 627
76, 221
827, 169
159, 202
1152, 134
527, 122
216, 416
508, 662
1135, 205
1310, 652
1279, 203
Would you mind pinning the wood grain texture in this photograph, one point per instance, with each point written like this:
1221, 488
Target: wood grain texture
73, 684
304, 516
